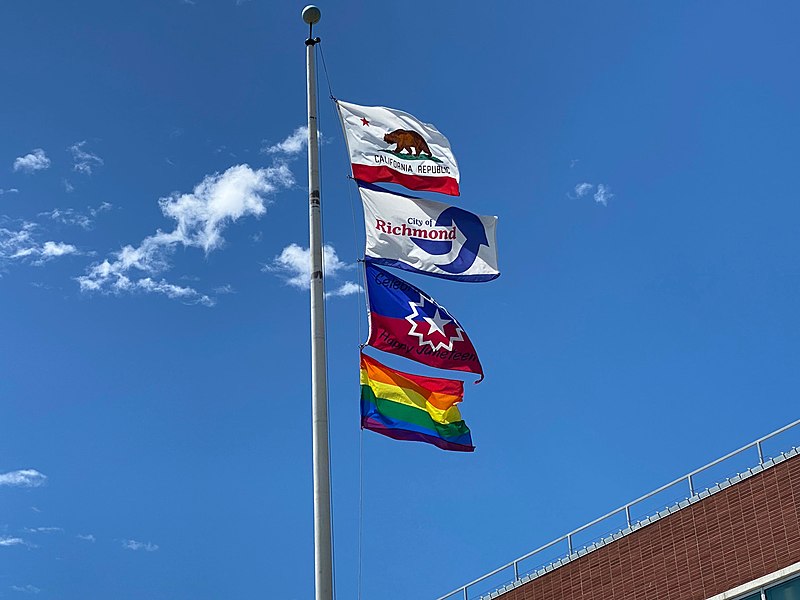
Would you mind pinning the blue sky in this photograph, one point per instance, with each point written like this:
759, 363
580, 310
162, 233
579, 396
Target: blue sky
154, 374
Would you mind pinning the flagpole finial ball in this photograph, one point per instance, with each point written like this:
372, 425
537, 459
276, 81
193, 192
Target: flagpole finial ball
311, 14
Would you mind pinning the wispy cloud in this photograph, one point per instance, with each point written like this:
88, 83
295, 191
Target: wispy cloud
88, 537
135, 545
26, 589
33, 252
11, 541
23, 478
40, 254
68, 187
293, 264
292, 145
102, 207
603, 194
30, 163
83, 161
53, 249
348, 288
8, 191
582, 189
16, 239
200, 219
70, 216
44, 529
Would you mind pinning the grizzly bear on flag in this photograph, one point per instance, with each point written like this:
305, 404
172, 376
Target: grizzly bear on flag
406, 140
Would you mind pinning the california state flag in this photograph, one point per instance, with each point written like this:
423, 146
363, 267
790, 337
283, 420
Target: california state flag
388, 145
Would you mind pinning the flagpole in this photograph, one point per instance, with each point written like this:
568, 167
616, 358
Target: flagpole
323, 551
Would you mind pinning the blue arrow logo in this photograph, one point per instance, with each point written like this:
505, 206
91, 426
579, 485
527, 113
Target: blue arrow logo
474, 232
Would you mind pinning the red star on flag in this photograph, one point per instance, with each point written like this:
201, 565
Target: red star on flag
364, 121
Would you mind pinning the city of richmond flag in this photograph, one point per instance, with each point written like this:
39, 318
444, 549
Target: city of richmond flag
390, 145
404, 320
411, 407
432, 238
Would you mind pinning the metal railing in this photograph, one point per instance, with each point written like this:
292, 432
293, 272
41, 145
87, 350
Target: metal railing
690, 480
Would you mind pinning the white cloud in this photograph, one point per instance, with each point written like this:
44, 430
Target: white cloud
30, 163
582, 189
68, 187
294, 264
102, 207
86, 537
11, 541
346, 289
26, 589
603, 194
175, 292
44, 529
200, 218
134, 545
23, 478
20, 244
9, 191
52, 249
83, 161
70, 216
292, 145
14, 240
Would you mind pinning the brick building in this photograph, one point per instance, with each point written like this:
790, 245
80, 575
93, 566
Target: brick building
737, 540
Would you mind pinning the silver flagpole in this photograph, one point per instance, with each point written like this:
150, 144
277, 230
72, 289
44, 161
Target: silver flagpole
323, 563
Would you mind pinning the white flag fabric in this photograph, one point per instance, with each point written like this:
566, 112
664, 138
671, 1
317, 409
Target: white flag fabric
388, 145
428, 237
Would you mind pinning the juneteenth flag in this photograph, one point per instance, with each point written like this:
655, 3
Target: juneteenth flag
404, 320
390, 145
411, 407
432, 238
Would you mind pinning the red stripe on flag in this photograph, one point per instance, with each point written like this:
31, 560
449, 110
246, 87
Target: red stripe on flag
384, 174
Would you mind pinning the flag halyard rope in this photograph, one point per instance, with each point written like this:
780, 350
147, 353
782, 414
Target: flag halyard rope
361, 294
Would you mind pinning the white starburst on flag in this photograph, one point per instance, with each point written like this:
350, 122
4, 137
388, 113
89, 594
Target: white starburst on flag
436, 323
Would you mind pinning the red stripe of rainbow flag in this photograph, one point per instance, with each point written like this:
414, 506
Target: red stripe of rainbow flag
412, 407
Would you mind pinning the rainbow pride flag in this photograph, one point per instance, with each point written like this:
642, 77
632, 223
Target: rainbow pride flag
411, 407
